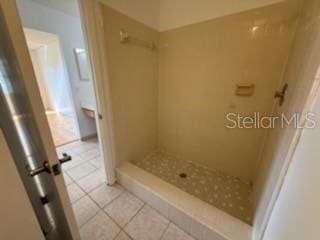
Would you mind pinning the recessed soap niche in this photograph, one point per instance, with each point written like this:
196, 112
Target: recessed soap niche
244, 90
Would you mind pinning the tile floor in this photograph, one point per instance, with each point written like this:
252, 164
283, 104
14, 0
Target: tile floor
223, 191
109, 212
62, 128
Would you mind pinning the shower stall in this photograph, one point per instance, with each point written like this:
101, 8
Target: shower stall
178, 89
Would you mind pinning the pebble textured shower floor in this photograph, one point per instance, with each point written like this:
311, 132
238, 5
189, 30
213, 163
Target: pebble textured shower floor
225, 192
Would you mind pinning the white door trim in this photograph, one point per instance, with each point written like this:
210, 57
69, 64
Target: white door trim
91, 19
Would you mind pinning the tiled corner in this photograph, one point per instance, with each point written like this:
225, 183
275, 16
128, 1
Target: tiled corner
99, 227
91, 181
81, 171
124, 208
122, 236
75, 192
175, 233
84, 209
147, 225
104, 194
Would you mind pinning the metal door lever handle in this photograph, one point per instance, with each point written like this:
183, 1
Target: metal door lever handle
281, 95
45, 168
66, 158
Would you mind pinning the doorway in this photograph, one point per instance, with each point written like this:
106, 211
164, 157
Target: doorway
60, 61
51, 75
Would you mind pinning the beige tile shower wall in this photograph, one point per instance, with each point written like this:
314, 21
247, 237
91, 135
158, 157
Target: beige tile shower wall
201, 64
133, 75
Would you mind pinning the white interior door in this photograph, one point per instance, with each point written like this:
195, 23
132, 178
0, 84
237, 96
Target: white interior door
26, 132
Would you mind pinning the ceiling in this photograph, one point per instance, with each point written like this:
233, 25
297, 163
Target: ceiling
169, 14
69, 7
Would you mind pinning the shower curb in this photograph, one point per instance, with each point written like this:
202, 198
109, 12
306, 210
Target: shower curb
201, 220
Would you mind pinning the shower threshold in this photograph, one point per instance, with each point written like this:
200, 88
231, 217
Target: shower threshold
227, 193
198, 218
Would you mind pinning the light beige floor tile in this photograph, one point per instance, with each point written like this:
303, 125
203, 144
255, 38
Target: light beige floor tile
62, 128
75, 192
104, 194
64, 149
175, 233
84, 209
81, 171
123, 236
73, 144
97, 162
100, 227
75, 161
68, 180
93, 180
82, 147
122, 209
147, 225
90, 154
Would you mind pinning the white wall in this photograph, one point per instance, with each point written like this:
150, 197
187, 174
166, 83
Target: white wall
68, 29
48, 62
35, 55
296, 213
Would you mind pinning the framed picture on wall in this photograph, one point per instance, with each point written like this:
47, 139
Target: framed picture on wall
82, 64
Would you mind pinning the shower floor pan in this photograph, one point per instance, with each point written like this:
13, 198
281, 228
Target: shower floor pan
225, 192
204, 203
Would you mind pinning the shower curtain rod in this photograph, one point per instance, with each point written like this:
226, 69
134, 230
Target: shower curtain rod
126, 38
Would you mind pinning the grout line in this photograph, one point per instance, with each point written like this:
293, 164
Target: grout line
102, 209
83, 161
78, 199
139, 210
88, 220
121, 230
95, 188
84, 175
165, 230
122, 192
144, 204
114, 221
117, 234
100, 184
